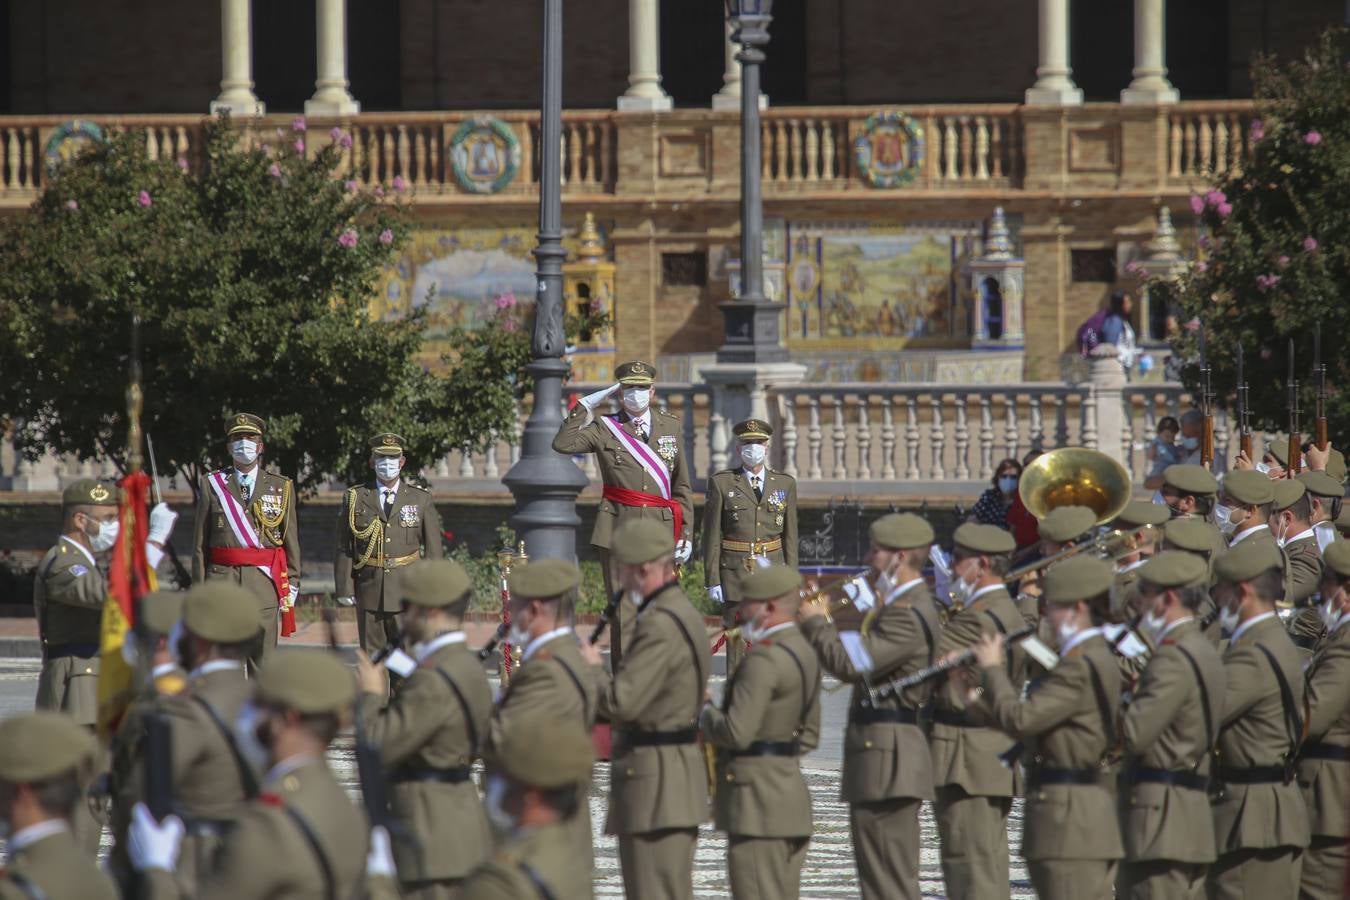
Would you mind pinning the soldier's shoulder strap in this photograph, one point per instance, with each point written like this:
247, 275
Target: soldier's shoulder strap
246, 775
1293, 716
1103, 703
24, 884
927, 633
535, 879
808, 696
320, 855
1204, 703
693, 650
576, 681
463, 707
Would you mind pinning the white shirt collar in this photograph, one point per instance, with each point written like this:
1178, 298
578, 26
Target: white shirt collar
645, 420
1302, 535
1326, 534
781, 626
751, 476
1239, 538
163, 669
245, 477
984, 590
1132, 566
1078, 639
1248, 624
214, 665
1172, 626
1344, 617
82, 548
426, 648
900, 589
543, 639
27, 837
286, 766
391, 488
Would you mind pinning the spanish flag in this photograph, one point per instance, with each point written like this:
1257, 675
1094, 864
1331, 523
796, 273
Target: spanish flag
130, 577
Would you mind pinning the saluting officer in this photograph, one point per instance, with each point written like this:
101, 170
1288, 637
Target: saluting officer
432, 731
1261, 822
45, 763
1070, 837
1168, 732
973, 788
1291, 524
1324, 758
658, 777
750, 519
246, 529
769, 717
887, 771
383, 525
302, 836
643, 469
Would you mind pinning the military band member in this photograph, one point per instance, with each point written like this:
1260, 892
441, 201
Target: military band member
1196, 536
1168, 731
1062, 528
973, 787
887, 771
246, 528
1291, 525
383, 525
769, 717
1188, 490
302, 836
1261, 820
643, 469
1325, 498
431, 732
1343, 522
750, 516
658, 776
45, 762
1324, 758
1070, 835
535, 788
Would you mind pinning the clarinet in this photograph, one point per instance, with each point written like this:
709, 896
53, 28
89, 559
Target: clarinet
928, 673
496, 639
607, 616
390, 648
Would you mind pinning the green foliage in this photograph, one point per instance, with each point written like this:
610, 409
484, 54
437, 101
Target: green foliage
1275, 259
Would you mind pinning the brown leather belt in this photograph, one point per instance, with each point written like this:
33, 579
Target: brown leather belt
752, 546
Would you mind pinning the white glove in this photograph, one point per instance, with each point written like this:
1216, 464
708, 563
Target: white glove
151, 844
346, 601
290, 601
161, 523
683, 550
591, 401
715, 593
380, 859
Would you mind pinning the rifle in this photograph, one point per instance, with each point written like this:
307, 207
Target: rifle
1320, 437
182, 579
1244, 412
1295, 425
1206, 406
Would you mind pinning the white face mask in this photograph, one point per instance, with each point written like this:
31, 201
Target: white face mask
1280, 529
244, 452
1228, 620
753, 454
751, 631
388, 467
246, 736
518, 635
1329, 612
963, 588
103, 539
636, 400
494, 802
1262, 468
1065, 632
1223, 518
1152, 625
1190, 443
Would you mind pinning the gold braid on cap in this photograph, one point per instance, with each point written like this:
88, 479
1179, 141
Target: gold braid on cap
272, 527
372, 534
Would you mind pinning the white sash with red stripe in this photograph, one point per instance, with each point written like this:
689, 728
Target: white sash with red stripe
237, 516
645, 456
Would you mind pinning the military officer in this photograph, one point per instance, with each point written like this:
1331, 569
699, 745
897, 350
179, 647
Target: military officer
643, 469
45, 761
535, 788
1325, 498
750, 518
973, 787
302, 836
898, 636
1168, 731
658, 777
551, 680
1142, 522
1197, 536
1243, 511
1261, 820
1291, 524
246, 528
769, 717
1324, 758
383, 525
432, 731
1062, 528
1070, 838
1188, 490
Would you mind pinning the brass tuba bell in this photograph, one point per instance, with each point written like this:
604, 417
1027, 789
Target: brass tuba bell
1075, 476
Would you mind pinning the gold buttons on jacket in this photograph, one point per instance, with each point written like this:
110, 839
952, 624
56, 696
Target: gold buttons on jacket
867, 745
290, 784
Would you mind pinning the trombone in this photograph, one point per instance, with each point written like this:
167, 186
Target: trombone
1108, 546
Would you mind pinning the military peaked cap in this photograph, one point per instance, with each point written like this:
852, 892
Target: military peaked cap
546, 753
221, 612
1337, 558
386, 443
1190, 479
434, 583
641, 541
1141, 513
752, 430
1249, 487
636, 373
1195, 535
244, 424
1248, 562
770, 583
1067, 523
983, 539
1288, 491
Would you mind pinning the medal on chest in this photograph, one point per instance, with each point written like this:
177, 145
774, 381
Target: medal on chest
409, 516
666, 448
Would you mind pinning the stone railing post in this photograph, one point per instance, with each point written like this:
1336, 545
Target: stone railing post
1108, 383
740, 391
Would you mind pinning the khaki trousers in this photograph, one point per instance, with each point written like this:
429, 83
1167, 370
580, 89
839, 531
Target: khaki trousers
886, 848
1073, 879
974, 835
658, 865
1324, 866
375, 629
1255, 874
765, 868
1161, 879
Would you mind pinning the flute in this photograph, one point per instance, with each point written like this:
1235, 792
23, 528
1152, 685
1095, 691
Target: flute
965, 657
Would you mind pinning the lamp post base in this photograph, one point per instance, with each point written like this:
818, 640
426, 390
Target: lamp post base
753, 332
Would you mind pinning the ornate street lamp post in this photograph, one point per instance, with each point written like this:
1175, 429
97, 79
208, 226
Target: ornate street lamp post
545, 484
751, 320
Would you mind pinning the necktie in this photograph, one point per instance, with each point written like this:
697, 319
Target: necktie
642, 431
758, 486
388, 503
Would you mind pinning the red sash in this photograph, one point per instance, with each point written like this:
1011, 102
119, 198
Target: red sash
272, 557
627, 497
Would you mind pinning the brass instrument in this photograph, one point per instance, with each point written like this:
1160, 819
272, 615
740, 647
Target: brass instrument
824, 591
1075, 476
1109, 546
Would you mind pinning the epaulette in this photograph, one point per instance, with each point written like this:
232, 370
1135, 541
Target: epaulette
668, 415
424, 488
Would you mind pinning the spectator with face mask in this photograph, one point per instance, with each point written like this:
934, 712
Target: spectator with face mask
993, 505
1187, 448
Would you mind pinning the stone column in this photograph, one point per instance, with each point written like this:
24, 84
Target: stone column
728, 99
644, 59
236, 61
1054, 78
1108, 381
331, 97
1150, 85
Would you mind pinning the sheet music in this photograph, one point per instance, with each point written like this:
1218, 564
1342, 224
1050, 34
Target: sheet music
856, 650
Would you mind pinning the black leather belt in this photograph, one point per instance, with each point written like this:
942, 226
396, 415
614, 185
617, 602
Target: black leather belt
1252, 775
1324, 751
1182, 778
769, 748
60, 651
452, 775
954, 719
636, 738
869, 716
1304, 641
1043, 776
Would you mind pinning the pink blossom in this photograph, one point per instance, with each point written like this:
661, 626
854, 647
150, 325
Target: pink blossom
506, 301
340, 137
1224, 209
274, 170
1197, 204
348, 238
1258, 130
1312, 138
378, 192
350, 186
1283, 262
72, 204
1134, 268
398, 184
298, 123
299, 145
182, 165
345, 142
1202, 267
386, 237
1193, 324
1215, 197
510, 325
1310, 243
144, 199
1203, 241
1266, 282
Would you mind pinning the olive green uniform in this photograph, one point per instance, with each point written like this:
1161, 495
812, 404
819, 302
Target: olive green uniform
54, 867
429, 735
373, 547
1070, 836
537, 863
1303, 574
737, 525
1324, 767
771, 716
658, 775
887, 770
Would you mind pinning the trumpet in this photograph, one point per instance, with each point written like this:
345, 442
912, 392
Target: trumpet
853, 585
878, 692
